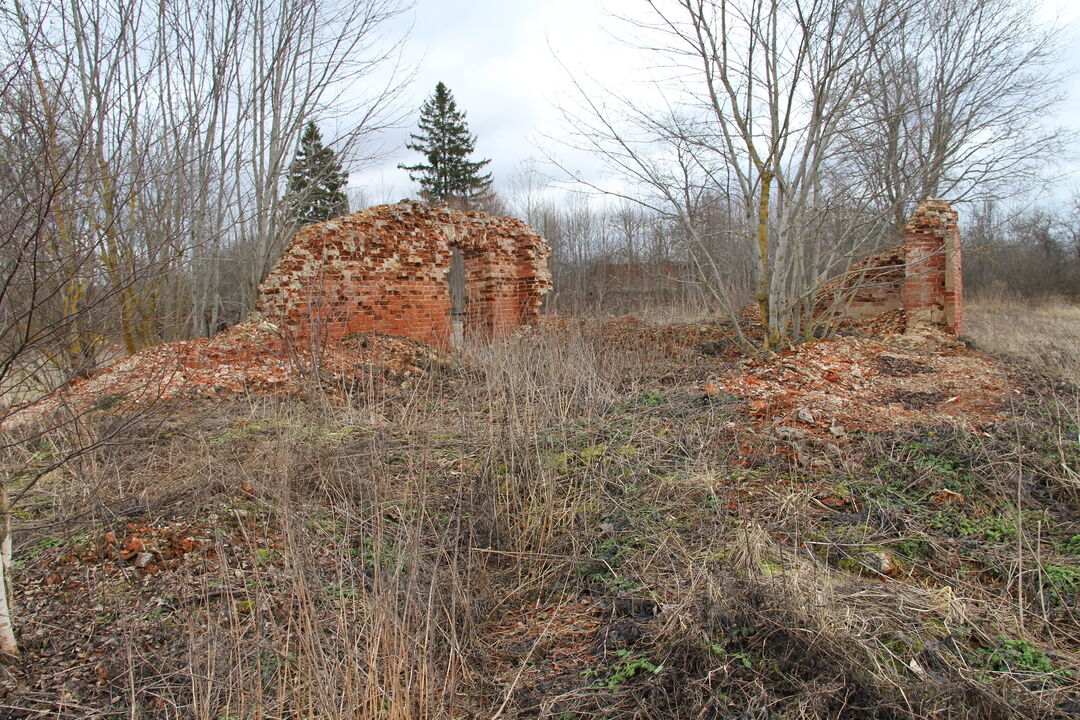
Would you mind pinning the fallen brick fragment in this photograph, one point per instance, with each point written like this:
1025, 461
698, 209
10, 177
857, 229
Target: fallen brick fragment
841, 385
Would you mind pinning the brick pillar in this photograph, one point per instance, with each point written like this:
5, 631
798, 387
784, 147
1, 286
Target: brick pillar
954, 279
932, 289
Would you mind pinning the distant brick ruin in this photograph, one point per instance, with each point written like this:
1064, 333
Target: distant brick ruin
629, 286
922, 277
424, 272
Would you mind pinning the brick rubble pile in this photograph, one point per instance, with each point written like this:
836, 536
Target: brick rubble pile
252, 357
837, 386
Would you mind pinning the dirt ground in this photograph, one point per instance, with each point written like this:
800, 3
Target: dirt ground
609, 518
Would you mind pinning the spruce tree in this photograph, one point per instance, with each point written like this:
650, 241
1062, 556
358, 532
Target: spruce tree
444, 141
316, 181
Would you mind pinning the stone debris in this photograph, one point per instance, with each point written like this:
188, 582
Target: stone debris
837, 386
252, 357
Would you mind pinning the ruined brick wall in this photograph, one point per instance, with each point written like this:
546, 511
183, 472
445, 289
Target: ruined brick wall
922, 277
386, 270
870, 287
933, 285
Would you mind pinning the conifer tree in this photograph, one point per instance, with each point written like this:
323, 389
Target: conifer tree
316, 181
445, 142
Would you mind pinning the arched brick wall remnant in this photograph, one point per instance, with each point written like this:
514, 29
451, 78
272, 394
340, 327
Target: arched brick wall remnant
386, 269
922, 277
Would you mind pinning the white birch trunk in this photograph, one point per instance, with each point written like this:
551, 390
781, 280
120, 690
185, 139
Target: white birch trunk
8, 646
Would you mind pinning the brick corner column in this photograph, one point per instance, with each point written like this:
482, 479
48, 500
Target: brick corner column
954, 278
932, 287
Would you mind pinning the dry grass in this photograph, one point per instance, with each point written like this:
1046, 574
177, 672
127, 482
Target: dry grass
1046, 333
561, 526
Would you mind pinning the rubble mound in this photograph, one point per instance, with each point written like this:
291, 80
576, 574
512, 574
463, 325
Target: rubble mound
839, 385
251, 357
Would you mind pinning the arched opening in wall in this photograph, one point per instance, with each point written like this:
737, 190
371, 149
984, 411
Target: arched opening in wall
457, 297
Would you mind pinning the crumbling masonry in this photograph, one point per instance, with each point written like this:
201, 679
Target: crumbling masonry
933, 285
388, 270
922, 277
391, 269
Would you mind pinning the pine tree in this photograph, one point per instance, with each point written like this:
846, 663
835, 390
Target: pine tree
316, 181
445, 142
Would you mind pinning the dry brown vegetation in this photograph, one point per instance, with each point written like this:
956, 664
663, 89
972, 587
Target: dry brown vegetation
563, 525
1045, 332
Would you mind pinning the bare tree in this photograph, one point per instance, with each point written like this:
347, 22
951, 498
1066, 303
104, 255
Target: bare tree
786, 110
961, 104
307, 59
1022, 251
197, 109
248, 75
143, 144
526, 189
54, 297
762, 91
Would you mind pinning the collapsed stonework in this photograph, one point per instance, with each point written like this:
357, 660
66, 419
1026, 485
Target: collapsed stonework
391, 269
922, 277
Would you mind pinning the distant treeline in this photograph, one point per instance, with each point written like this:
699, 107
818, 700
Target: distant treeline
1034, 253
622, 259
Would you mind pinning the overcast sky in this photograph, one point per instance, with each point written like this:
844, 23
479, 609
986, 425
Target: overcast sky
503, 60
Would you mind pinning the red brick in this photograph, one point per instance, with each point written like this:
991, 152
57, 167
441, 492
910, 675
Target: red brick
923, 277
387, 271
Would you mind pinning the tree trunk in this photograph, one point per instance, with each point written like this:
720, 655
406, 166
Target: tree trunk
8, 647
765, 280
